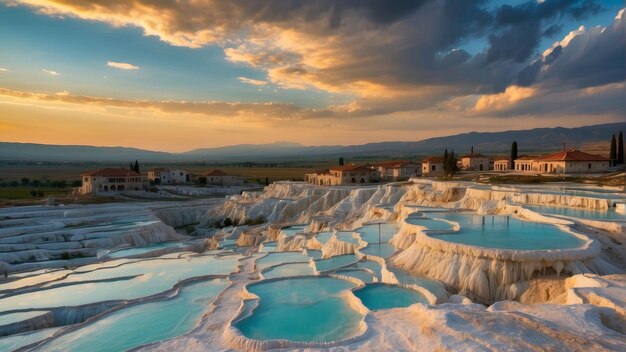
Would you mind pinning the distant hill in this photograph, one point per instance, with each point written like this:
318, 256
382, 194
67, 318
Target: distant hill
533, 140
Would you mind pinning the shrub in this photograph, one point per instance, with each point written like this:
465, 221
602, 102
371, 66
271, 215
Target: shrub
228, 222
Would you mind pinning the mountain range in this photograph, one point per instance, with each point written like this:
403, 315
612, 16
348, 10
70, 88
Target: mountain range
532, 140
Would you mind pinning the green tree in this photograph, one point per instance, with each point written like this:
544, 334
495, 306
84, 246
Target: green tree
513, 154
25, 181
613, 152
620, 149
202, 181
449, 164
136, 168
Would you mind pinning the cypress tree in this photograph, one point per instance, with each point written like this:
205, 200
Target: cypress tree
513, 154
613, 153
620, 149
136, 168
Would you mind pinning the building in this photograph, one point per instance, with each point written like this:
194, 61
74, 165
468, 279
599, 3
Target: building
398, 170
502, 164
343, 175
169, 176
220, 178
111, 180
526, 163
563, 162
474, 162
432, 166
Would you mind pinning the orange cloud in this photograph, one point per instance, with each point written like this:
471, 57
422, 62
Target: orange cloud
122, 65
501, 101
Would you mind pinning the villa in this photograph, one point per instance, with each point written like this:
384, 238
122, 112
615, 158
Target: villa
110, 179
343, 175
398, 170
502, 164
220, 178
432, 166
570, 161
169, 176
474, 162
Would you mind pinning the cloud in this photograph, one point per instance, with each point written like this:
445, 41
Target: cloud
501, 101
253, 111
50, 72
2, 69
122, 65
252, 81
388, 57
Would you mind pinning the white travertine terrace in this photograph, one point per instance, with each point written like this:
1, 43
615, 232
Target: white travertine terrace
578, 294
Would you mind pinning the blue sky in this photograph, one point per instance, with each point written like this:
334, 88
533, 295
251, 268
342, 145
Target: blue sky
325, 72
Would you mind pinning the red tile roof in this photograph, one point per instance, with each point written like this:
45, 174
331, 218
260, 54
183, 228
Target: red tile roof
216, 172
397, 163
111, 172
433, 159
351, 168
573, 155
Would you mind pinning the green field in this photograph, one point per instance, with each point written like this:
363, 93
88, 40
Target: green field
22, 192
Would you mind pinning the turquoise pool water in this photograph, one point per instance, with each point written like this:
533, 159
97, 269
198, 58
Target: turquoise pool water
11, 318
609, 214
292, 230
369, 233
304, 309
498, 232
269, 247
371, 265
294, 269
323, 237
142, 250
143, 323
408, 278
13, 342
380, 296
384, 250
335, 262
315, 254
360, 274
144, 278
429, 223
279, 258
347, 236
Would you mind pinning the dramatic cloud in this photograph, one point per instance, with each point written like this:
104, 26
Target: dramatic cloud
50, 72
254, 82
389, 56
122, 65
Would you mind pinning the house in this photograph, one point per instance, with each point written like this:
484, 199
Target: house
502, 164
343, 175
432, 166
570, 161
474, 162
525, 163
398, 170
220, 178
110, 179
169, 176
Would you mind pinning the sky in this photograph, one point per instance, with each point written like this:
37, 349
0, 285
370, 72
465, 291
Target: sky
179, 75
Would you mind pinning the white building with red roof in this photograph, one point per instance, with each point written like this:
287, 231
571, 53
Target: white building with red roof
343, 175
169, 176
563, 162
220, 178
111, 180
398, 170
432, 166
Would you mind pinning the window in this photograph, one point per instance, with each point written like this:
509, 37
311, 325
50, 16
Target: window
434, 167
589, 166
86, 179
181, 173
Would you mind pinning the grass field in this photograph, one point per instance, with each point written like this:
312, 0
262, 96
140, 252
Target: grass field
24, 192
